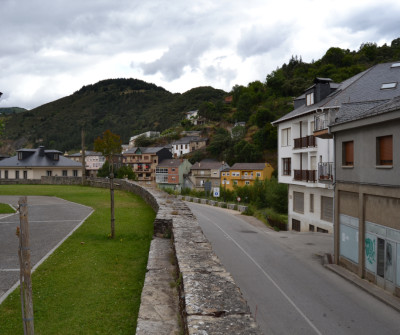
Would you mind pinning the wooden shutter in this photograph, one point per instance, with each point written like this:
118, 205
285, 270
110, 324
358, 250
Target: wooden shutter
386, 150
349, 153
327, 208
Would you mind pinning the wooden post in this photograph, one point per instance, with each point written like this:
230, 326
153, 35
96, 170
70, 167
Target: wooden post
83, 157
112, 204
25, 268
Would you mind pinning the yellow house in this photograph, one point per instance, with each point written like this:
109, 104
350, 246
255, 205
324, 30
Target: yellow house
242, 174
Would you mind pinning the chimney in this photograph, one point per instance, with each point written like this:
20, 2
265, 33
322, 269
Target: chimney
41, 151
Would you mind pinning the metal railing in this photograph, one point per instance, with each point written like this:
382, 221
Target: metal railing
325, 171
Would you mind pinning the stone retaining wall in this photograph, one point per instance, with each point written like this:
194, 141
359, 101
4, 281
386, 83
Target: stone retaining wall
210, 301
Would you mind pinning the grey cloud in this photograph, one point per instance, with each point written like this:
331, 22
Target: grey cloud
260, 40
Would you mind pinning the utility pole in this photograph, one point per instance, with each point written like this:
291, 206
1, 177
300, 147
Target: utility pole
83, 157
24, 254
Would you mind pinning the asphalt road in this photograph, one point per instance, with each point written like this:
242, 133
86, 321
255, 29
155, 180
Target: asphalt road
50, 219
286, 286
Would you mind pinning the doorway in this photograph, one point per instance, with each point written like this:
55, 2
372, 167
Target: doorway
385, 267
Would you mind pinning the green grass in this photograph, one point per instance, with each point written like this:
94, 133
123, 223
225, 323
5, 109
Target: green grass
6, 209
92, 287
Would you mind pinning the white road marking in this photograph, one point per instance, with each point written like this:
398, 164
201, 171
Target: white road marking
9, 270
268, 277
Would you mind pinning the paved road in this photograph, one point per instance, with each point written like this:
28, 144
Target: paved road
287, 288
50, 221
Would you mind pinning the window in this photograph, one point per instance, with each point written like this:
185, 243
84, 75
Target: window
6, 174
56, 157
48, 173
173, 169
348, 153
327, 209
16, 174
20, 156
235, 182
386, 86
286, 166
25, 174
75, 173
227, 174
65, 173
286, 137
258, 174
296, 225
310, 99
247, 182
312, 203
384, 146
298, 202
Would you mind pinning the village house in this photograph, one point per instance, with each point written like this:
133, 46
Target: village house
93, 161
187, 144
206, 171
36, 163
170, 173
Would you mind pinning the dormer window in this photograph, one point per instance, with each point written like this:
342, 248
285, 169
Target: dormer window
310, 98
386, 86
20, 156
56, 157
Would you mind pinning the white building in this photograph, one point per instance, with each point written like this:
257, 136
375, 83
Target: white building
93, 161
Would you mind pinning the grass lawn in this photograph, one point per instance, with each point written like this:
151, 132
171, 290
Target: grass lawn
94, 287
6, 209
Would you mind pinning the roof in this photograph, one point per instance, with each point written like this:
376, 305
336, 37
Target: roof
170, 163
363, 87
144, 150
189, 139
207, 165
37, 160
248, 166
87, 153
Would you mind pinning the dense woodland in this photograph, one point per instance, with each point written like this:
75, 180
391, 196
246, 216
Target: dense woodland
129, 106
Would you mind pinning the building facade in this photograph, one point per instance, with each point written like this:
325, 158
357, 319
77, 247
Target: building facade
206, 171
170, 173
37, 163
242, 174
187, 144
93, 161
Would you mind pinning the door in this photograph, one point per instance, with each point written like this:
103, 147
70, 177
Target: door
386, 260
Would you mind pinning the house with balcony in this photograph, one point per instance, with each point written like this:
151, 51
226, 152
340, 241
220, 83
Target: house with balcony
367, 182
187, 144
170, 173
242, 174
144, 160
206, 171
93, 161
306, 146
36, 163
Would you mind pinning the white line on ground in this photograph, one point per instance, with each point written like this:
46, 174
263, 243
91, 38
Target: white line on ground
268, 277
9, 270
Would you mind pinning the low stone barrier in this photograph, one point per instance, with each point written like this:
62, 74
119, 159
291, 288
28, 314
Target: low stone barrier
210, 302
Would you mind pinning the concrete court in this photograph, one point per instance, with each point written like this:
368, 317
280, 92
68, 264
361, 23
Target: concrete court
50, 219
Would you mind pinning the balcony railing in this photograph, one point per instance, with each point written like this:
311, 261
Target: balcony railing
320, 122
325, 172
305, 142
305, 175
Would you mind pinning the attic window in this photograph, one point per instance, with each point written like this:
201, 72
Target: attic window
56, 157
310, 99
395, 65
20, 155
388, 85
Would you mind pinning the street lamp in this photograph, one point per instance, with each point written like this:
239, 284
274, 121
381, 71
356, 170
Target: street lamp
224, 189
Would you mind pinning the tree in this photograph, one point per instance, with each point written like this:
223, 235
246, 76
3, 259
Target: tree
109, 145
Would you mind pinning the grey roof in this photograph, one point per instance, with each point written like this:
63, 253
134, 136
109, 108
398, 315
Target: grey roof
170, 163
189, 139
144, 150
35, 160
87, 153
363, 87
248, 166
207, 165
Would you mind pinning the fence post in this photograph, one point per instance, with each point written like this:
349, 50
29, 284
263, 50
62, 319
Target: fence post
24, 254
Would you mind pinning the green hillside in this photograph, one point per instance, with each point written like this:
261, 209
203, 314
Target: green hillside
125, 106
11, 110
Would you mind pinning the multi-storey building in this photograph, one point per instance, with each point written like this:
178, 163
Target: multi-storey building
170, 173
93, 161
367, 185
306, 148
242, 174
206, 171
187, 144
144, 161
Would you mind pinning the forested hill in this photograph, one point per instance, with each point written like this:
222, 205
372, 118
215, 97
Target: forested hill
125, 106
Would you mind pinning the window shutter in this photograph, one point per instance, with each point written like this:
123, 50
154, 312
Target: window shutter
349, 153
386, 150
327, 208
298, 202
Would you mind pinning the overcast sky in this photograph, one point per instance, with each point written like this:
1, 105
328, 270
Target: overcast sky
51, 48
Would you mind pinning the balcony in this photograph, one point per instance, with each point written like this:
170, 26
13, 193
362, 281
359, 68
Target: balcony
247, 177
305, 175
322, 119
325, 172
305, 142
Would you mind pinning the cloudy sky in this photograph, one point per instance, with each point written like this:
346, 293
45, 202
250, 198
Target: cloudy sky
51, 48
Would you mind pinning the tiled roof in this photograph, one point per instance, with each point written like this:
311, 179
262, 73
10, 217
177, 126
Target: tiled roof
170, 162
144, 150
363, 87
189, 139
248, 166
206, 165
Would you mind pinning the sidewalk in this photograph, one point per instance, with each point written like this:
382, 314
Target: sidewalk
377, 292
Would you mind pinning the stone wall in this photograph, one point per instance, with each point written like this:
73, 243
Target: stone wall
210, 302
